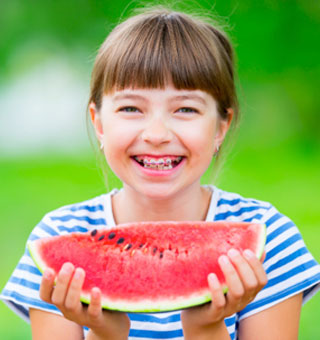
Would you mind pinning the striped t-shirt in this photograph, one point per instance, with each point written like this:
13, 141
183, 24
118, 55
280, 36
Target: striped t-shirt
289, 265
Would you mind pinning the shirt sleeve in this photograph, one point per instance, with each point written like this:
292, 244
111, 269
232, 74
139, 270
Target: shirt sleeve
290, 267
22, 290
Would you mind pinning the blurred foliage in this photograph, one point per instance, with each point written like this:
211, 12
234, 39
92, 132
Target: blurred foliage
275, 157
277, 43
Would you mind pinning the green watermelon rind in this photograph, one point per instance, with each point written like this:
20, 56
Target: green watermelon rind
162, 305
33, 250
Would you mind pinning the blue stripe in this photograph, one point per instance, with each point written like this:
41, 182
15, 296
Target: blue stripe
279, 231
66, 218
152, 318
28, 268
91, 208
238, 200
273, 219
291, 273
33, 237
232, 336
73, 229
47, 229
230, 321
223, 216
288, 242
24, 283
20, 308
28, 301
287, 259
156, 334
298, 287
255, 217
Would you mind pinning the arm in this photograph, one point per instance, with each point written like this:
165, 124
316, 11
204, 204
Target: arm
49, 326
280, 322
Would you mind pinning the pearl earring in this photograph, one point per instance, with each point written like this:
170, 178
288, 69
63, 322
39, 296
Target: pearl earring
216, 150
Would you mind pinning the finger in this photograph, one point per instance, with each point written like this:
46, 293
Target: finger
72, 301
235, 287
217, 295
94, 309
256, 266
62, 284
246, 273
47, 285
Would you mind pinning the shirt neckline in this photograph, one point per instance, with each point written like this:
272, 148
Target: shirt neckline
110, 217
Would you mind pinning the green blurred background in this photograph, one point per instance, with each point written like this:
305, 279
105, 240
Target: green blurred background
46, 55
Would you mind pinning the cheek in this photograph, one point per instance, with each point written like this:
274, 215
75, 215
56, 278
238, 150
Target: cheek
118, 137
200, 138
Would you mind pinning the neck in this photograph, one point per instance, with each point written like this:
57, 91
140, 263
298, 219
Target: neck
190, 205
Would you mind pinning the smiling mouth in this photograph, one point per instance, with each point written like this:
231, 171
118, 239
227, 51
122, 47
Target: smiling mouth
159, 163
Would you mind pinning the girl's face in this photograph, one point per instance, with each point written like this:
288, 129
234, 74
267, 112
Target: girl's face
159, 141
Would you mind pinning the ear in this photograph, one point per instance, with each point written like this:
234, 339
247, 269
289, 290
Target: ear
223, 127
96, 120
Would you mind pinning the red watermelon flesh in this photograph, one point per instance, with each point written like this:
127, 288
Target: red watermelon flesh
149, 266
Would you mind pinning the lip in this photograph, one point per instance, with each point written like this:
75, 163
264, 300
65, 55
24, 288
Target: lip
157, 156
158, 173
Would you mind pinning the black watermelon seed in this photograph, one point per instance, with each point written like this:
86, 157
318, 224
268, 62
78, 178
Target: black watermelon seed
161, 255
141, 245
154, 250
121, 240
111, 235
101, 238
94, 232
128, 246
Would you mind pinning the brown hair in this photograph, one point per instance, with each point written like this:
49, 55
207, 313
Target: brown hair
159, 46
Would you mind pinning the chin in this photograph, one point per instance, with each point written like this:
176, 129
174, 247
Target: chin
157, 191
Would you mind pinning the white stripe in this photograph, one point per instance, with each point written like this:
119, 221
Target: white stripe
291, 265
278, 223
291, 281
22, 274
282, 238
142, 325
22, 290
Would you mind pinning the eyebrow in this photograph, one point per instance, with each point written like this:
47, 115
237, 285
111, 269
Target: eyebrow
190, 97
195, 97
121, 96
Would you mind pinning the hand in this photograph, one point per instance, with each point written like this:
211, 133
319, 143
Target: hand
244, 276
65, 295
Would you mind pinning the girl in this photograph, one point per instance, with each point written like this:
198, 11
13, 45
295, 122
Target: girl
162, 101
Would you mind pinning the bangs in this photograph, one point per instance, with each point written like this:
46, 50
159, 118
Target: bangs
163, 49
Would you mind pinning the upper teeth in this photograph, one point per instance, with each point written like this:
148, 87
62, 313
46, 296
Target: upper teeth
165, 162
159, 161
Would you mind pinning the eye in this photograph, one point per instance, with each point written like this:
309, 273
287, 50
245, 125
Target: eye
129, 109
187, 110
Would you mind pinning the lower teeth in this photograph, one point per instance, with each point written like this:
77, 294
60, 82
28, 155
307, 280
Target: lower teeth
158, 167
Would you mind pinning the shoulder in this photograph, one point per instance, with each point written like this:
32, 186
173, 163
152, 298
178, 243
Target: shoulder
235, 207
78, 217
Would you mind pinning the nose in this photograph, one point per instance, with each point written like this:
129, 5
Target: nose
157, 131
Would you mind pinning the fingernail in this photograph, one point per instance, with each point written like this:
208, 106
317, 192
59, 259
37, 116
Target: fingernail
249, 253
67, 268
223, 259
233, 252
78, 273
214, 282
47, 274
95, 293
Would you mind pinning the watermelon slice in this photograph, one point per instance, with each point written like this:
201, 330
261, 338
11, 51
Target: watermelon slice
149, 266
